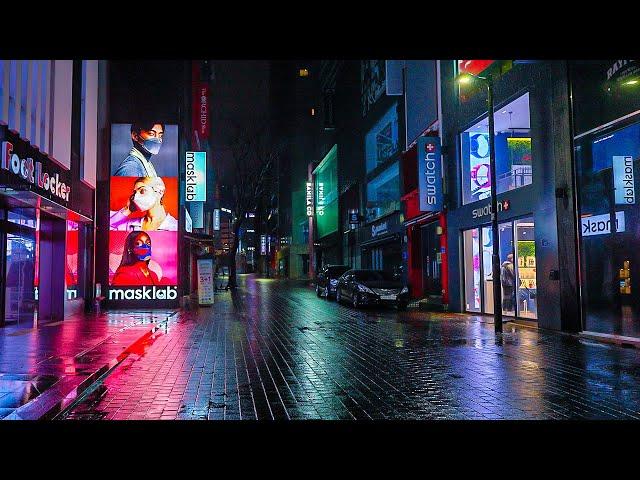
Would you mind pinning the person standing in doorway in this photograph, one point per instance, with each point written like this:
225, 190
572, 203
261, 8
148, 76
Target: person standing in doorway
508, 280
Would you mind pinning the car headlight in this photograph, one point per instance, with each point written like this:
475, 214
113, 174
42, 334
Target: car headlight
365, 289
404, 290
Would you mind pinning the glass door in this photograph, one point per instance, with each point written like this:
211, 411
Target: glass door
431, 261
526, 293
20, 300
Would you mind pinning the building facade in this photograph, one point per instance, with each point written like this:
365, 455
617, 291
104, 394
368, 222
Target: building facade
51, 121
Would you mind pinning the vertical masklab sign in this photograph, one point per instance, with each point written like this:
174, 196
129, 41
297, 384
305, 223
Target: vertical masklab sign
309, 199
623, 180
205, 281
196, 177
430, 174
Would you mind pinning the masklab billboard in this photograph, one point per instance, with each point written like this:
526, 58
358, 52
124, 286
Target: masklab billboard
144, 212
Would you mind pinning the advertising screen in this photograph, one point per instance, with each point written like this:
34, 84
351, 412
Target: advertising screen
143, 212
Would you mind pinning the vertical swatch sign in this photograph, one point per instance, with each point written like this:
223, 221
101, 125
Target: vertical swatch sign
143, 211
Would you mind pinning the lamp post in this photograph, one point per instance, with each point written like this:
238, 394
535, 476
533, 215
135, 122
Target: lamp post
495, 243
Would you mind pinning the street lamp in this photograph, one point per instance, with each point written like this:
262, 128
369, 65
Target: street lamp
466, 78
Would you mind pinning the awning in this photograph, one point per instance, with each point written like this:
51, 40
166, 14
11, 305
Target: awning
421, 218
389, 237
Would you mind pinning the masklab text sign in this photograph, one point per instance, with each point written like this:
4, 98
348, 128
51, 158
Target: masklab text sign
623, 180
429, 174
601, 224
196, 177
143, 293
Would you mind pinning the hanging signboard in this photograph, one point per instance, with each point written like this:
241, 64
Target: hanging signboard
205, 281
196, 177
429, 174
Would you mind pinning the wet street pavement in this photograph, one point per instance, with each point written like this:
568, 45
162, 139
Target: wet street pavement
273, 350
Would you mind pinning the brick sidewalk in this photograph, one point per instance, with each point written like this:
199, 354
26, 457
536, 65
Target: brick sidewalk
273, 350
42, 368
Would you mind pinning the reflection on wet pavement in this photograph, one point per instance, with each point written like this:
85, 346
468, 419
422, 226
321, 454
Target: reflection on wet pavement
273, 350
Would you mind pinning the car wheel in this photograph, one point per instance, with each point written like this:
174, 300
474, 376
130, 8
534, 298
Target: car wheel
356, 300
317, 290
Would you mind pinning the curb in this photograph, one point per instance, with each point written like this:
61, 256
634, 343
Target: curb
62, 395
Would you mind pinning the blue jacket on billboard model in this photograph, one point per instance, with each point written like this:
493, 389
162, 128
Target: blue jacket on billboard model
135, 165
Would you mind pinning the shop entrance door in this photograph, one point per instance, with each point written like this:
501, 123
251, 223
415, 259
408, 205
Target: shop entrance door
20, 302
431, 260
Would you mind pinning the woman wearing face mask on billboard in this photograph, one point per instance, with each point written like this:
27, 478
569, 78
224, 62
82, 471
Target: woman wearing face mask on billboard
147, 197
147, 140
134, 267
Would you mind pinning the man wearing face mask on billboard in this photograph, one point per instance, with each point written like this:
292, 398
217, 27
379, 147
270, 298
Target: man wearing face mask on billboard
147, 140
145, 209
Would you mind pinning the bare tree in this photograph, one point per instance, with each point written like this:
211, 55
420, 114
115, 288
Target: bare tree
249, 178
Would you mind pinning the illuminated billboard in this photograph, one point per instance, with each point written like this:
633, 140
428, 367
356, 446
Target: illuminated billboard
143, 212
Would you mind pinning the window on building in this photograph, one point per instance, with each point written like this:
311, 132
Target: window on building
303, 72
512, 128
607, 166
381, 143
383, 193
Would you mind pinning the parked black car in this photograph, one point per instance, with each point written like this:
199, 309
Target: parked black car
327, 279
372, 287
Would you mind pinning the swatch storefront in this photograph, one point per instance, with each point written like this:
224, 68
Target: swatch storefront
606, 112
526, 180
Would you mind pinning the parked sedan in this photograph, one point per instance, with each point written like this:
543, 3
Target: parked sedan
328, 279
372, 287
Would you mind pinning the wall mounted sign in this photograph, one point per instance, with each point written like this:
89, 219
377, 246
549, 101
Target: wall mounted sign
601, 224
503, 206
309, 199
263, 244
354, 217
377, 230
143, 254
216, 219
200, 109
49, 180
196, 177
320, 199
197, 214
623, 180
188, 223
429, 174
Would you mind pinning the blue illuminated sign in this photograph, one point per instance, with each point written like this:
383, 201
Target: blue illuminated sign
430, 174
196, 177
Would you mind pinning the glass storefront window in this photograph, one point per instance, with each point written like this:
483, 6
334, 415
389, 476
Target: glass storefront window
20, 298
526, 293
517, 277
383, 193
381, 143
607, 164
472, 269
512, 128
71, 265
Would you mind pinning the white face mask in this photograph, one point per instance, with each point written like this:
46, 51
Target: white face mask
144, 201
